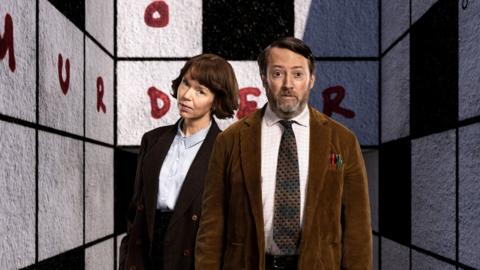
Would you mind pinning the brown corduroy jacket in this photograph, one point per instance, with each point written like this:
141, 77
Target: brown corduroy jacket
336, 231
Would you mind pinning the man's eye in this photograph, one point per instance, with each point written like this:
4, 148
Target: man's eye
298, 74
276, 74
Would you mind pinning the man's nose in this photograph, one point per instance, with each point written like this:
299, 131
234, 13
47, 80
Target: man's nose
288, 81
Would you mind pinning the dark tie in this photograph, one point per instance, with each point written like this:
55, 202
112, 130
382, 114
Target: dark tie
286, 218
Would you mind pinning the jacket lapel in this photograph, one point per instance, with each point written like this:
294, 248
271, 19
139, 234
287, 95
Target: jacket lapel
250, 154
151, 170
192, 186
320, 142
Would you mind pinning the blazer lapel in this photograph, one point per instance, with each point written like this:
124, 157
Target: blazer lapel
250, 154
320, 141
193, 185
151, 170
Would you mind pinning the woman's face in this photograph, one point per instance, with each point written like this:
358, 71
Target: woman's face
195, 101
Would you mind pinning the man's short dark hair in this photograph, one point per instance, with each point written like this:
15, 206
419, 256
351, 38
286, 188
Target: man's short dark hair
215, 73
290, 43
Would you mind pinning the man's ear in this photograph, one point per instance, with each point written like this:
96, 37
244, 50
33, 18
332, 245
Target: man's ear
312, 81
264, 80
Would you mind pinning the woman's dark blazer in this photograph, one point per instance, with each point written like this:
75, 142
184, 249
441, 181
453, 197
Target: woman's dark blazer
179, 242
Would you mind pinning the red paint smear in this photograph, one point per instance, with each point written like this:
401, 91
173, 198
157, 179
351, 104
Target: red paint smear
64, 84
156, 7
154, 95
6, 43
247, 106
333, 105
100, 93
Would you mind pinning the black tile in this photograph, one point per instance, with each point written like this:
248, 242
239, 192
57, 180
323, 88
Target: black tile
434, 69
124, 177
70, 260
239, 30
395, 190
74, 10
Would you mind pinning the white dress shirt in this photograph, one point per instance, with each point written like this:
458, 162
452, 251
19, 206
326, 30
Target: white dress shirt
176, 165
271, 135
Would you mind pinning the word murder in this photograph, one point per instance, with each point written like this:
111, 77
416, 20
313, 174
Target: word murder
157, 15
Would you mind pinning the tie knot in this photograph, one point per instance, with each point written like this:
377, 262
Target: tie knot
287, 124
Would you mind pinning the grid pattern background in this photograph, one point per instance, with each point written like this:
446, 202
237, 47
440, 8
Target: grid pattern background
90, 77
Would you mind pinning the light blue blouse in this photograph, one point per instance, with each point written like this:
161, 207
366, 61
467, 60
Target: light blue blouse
176, 164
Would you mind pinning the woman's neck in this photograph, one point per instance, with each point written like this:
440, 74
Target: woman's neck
192, 126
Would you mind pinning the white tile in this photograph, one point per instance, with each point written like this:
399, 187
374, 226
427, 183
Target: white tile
360, 82
433, 193
98, 94
99, 21
60, 107
302, 8
17, 196
98, 191
468, 57
134, 104
181, 37
395, 20
60, 194
17, 80
420, 7
469, 199
334, 28
394, 255
396, 92
421, 261
100, 256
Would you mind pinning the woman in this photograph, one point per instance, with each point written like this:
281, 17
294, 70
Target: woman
163, 216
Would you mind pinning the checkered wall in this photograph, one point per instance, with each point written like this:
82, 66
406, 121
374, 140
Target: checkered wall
81, 81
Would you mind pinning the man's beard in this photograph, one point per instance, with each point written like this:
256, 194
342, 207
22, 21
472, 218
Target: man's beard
286, 109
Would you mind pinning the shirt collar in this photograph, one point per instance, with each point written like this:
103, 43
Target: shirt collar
194, 139
271, 118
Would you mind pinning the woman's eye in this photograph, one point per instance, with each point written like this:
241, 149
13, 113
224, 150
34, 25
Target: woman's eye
185, 82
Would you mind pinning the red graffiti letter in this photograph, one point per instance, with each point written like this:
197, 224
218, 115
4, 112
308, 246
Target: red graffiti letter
63, 83
156, 14
333, 105
6, 43
154, 95
100, 92
247, 106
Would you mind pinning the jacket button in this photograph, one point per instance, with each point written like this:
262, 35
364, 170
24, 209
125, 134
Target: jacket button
194, 217
140, 207
133, 267
186, 252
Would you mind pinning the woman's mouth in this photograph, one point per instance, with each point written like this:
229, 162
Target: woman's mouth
184, 108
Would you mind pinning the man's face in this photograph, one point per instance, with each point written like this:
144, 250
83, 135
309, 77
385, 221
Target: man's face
288, 82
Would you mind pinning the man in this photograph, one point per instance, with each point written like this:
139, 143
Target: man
286, 187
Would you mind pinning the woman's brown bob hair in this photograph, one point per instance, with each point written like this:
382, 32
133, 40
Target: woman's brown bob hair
215, 73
